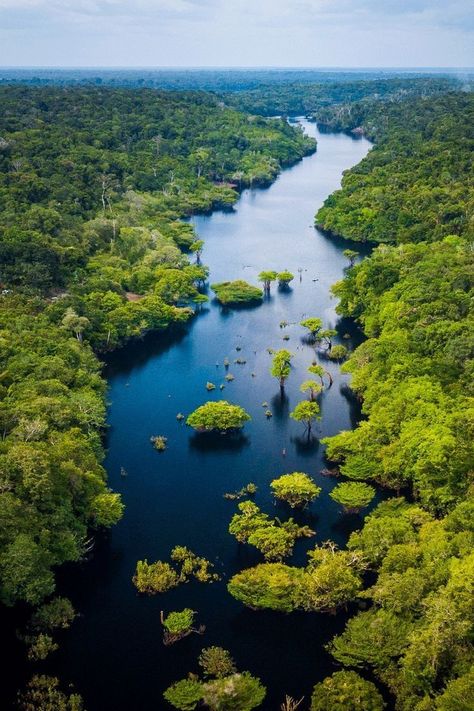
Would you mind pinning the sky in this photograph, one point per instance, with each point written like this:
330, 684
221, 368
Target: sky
285, 33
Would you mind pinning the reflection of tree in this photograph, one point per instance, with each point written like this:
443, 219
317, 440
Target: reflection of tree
306, 446
215, 442
280, 406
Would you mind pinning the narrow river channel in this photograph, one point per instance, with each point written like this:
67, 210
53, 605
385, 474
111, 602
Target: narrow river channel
114, 653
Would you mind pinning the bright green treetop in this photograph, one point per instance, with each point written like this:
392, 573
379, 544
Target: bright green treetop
353, 495
346, 691
220, 416
297, 489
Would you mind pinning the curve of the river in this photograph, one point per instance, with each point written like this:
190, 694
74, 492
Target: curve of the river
114, 653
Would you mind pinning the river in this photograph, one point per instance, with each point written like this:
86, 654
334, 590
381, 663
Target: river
114, 653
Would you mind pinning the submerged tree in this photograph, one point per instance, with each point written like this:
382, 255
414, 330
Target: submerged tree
313, 326
238, 692
316, 369
178, 625
218, 416
185, 694
297, 489
338, 352
231, 293
197, 247
353, 495
312, 388
306, 412
281, 366
266, 278
284, 278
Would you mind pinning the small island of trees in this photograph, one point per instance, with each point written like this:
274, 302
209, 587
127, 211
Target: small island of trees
234, 293
219, 416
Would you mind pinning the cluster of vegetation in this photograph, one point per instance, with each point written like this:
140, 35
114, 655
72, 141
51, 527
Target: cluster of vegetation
247, 490
331, 580
273, 538
218, 416
222, 687
159, 577
414, 375
233, 293
416, 185
297, 489
178, 625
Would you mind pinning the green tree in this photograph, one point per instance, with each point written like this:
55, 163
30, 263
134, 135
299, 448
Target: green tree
152, 578
238, 692
346, 691
351, 255
284, 278
297, 489
220, 416
353, 495
281, 366
313, 326
44, 694
216, 662
231, 293
312, 388
272, 586
72, 322
185, 694
306, 412
266, 277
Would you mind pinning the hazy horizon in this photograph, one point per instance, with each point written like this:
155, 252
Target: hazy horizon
180, 34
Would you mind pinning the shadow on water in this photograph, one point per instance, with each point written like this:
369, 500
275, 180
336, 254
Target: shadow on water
306, 446
214, 442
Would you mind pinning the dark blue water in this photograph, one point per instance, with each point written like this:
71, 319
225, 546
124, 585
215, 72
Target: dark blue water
114, 653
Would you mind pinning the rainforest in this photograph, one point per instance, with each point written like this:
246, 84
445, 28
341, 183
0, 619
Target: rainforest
236, 391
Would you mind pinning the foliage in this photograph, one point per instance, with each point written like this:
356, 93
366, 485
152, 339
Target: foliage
415, 184
231, 293
178, 622
306, 412
58, 613
185, 694
270, 536
152, 578
331, 579
284, 278
281, 366
219, 415
346, 691
40, 647
159, 442
353, 495
44, 694
337, 352
216, 662
238, 692
297, 489
267, 277
311, 387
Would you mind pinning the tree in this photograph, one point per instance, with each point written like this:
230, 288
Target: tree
306, 412
249, 520
346, 691
58, 613
238, 692
196, 247
284, 278
179, 623
72, 322
220, 416
312, 388
107, 509
331, 579
185, 694
353, 495
272, 586
351, 255
338, 352
216, 662
297, 489
318, 370
313, 325
44, 694
281, 366
267, 278
152, 578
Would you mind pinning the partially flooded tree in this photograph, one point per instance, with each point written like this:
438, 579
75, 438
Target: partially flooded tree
266, 277
284, 278
216, 662
351, 255
197, 247
306, 412
312, 388
178, 625
346, 691
281, 366
318, 370
297, 489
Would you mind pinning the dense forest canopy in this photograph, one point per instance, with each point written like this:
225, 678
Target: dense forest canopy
92, 185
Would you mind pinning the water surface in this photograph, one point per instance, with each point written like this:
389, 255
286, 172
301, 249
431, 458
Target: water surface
114, 654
